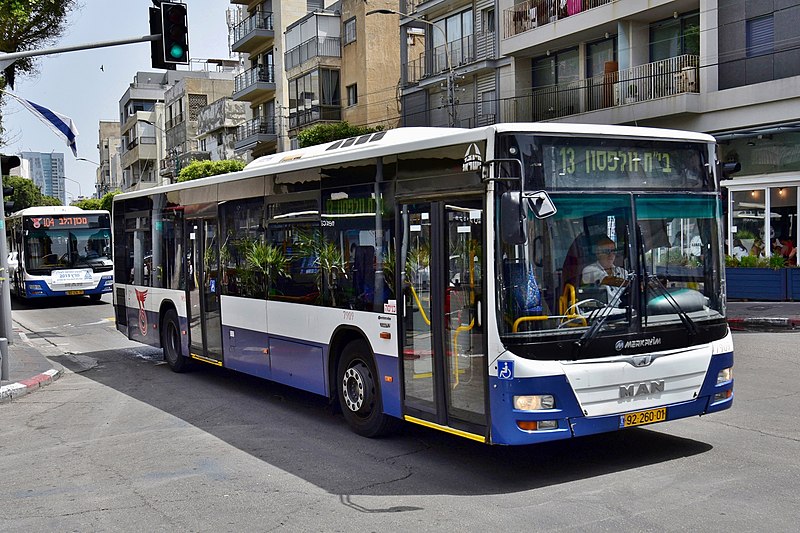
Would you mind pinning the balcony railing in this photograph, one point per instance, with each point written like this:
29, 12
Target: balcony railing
256, 126
669, 77
315, 114
534, 13
314, 47
259, 74
475, 47
261, 20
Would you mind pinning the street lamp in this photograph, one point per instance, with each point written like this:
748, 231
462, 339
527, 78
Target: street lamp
87, 160
74, 181
451, 110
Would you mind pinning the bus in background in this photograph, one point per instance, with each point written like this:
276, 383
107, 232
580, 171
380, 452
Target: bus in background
59, 251
449, 277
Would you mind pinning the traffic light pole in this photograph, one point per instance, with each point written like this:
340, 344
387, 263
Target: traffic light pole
7, 59
5, 296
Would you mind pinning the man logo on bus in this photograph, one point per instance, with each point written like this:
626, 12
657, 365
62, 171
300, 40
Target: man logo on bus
142, 296
36, 222
472, 159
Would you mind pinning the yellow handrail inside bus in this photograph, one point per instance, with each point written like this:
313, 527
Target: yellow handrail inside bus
419, 304
567, 299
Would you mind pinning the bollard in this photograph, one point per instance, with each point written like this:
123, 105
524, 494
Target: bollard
3, 358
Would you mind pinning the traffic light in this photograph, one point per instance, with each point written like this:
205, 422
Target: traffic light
174, 33
7, 162
157, 46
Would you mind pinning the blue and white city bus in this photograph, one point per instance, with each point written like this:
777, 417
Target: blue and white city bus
59, 251
441, 277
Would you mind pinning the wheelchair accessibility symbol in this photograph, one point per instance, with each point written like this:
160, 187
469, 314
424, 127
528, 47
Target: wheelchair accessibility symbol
505, 370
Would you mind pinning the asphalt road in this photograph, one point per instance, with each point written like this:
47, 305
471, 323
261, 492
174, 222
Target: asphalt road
122, 443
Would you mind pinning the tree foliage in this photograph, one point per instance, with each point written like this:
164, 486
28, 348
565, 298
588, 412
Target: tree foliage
27, 194
332, 131
90, 204
29, 25
107, 200
203, 169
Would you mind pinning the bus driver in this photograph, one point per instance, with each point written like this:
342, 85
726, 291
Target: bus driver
603, 271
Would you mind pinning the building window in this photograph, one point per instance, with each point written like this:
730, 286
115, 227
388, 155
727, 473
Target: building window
352, 95
760, 36
675, 36
350, 31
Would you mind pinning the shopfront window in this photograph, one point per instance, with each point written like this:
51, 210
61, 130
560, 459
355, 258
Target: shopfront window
764, 223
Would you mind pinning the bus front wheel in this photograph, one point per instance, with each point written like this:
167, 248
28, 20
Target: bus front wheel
358, 391
171, 343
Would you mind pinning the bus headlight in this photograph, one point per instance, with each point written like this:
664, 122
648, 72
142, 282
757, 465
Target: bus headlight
726, 374
534, 402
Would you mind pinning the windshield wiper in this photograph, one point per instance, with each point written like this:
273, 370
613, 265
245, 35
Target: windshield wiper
602, 317
685, 318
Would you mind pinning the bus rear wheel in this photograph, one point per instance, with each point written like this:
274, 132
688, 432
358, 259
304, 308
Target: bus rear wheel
359, 393
171, 343
95, 297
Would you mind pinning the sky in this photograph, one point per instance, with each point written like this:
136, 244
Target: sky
73, 84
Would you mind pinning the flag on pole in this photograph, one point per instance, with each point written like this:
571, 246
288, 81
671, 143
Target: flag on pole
62, 125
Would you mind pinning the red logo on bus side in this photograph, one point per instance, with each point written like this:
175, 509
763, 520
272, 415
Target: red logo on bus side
36, 222
142, 296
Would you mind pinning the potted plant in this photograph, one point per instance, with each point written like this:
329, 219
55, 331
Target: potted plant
756, 278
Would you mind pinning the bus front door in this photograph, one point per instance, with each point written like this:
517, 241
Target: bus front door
205, 337
442, 340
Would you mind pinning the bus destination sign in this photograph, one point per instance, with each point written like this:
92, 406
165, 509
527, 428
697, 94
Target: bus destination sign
63, 221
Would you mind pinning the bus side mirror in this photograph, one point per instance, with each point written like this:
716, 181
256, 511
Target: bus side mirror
512, 217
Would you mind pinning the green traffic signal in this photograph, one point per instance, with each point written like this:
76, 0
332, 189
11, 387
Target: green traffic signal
177, 51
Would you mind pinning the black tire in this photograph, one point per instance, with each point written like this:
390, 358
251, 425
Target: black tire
171, 343
358, 391
95, 297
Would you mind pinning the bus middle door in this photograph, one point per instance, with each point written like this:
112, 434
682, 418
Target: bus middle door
442, 343
205, 336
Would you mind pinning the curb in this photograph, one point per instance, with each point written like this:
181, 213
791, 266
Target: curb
763, 323
21, 388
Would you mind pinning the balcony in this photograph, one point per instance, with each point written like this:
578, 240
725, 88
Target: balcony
314, 47
253, 32
531, 14
257, 130
254, 84
644, 83
469, 49
320, 113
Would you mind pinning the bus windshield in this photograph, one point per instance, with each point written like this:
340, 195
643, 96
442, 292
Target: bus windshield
612, 263
52, 249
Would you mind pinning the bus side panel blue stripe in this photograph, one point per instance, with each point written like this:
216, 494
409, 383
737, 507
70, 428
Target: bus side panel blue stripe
388, 374
246, 351
298, 364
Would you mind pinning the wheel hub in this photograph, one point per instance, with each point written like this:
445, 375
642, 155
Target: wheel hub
355, 389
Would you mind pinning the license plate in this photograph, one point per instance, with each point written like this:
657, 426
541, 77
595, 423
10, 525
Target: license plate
639, 418
74, 293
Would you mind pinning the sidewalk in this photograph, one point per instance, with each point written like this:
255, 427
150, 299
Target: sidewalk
29, 369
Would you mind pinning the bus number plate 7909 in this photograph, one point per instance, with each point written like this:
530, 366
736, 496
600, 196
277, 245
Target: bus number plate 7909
643, 417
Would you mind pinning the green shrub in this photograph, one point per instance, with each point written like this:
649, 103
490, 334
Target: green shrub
748, 261
731, 262
777, 261
745, 234
203, 169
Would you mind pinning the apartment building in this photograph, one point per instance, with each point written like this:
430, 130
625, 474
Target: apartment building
182, 105
310, 63
109, 170
258, 33
726, 67
217, 124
